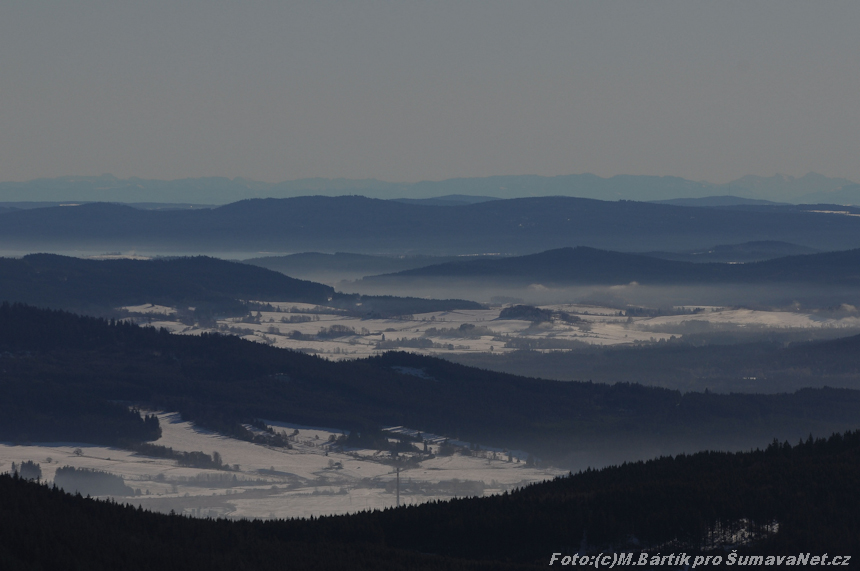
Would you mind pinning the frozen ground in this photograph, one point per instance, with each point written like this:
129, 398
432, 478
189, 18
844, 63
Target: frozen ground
438, 333
265, 482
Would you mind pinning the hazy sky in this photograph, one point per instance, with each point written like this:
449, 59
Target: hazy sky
404, 90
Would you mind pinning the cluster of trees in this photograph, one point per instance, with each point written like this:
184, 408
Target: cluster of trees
335, 331
465, 331
542, 343
415, 343
195, 459
526, 313
27, 470
300, 318
90, 482
537, 314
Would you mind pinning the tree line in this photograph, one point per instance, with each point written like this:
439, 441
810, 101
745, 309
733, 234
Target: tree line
786, 499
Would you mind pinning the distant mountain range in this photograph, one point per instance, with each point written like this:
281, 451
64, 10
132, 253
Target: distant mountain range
26, 205
810, 188
340, 266
589, 266
364, 225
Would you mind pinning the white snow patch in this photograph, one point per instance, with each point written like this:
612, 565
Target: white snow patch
310, 479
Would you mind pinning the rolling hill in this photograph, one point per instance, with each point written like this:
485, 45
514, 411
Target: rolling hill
582, 265
759, 363
206, 284
54, 361
737, 253
358, 224
343, 266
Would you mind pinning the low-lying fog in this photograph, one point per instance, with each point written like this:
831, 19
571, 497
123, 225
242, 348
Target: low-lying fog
788, 295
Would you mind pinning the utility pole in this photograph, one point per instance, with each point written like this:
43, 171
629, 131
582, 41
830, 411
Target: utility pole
398, 485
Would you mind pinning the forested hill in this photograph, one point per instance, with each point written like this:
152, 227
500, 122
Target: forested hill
343, 265
53, 360
359, 224
207, 286
785, 501
96, 285
584, 265
695, 362
737, 253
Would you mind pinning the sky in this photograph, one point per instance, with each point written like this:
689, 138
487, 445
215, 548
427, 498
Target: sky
408, 90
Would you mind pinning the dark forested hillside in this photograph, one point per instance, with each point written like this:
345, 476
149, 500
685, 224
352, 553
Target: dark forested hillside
737, 253
786, 498
758, 364
99, 285
782, 501
208, 285
581, 265
359, 224
219, 381
49, 529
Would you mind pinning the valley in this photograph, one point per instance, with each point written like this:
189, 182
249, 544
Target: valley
314, 476
429, 286
334, 334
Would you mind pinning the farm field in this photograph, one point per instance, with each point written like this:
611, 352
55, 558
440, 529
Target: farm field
335, 335
311, 478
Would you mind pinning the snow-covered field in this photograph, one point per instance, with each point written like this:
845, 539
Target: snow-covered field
438, 333
315, 477
265, 482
